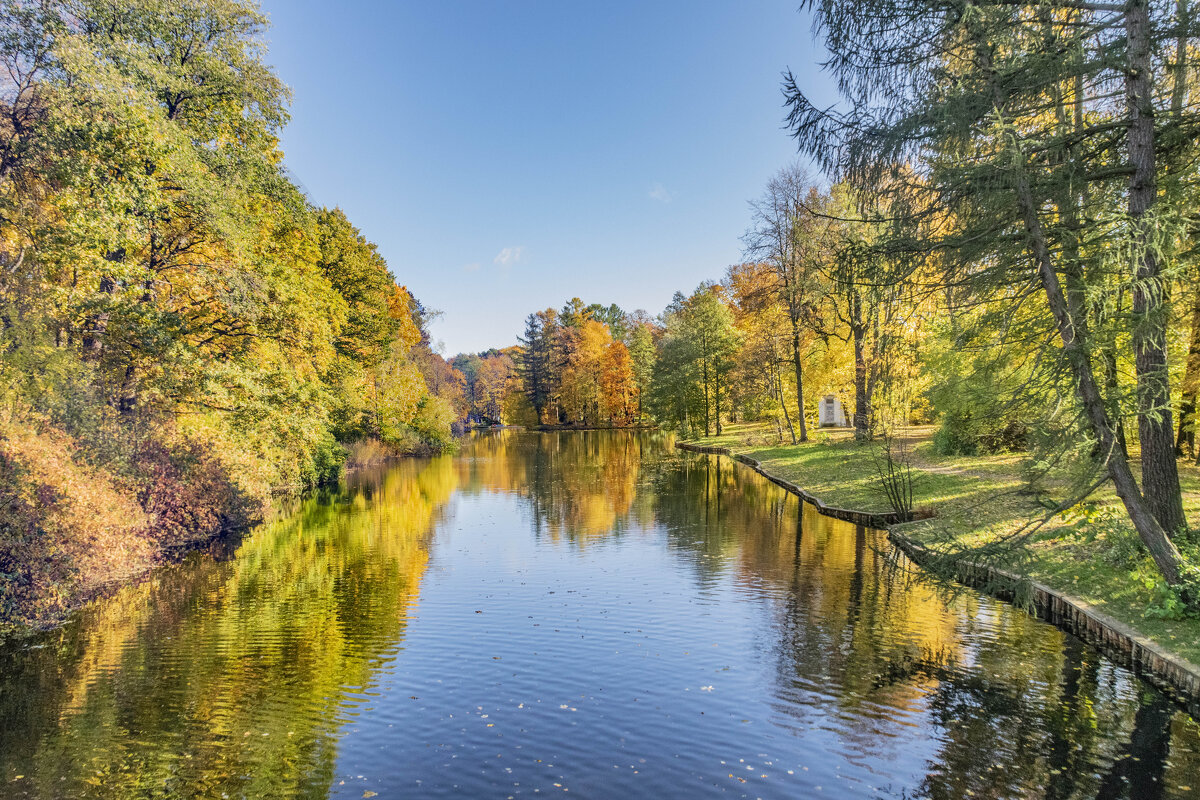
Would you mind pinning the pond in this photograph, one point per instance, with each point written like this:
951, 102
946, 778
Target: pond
594, 614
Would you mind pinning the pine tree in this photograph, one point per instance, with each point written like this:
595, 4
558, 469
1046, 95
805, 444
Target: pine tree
1033, 132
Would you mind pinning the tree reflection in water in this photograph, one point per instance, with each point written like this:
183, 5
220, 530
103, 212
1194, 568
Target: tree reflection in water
869, 651
244, 675
227, 677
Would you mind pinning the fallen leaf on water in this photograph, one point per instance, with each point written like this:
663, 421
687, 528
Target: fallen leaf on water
369, 793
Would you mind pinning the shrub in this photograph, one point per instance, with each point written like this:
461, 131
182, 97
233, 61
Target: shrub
66, 528
186, 493
968, 434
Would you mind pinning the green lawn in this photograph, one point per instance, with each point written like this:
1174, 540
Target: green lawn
975, 499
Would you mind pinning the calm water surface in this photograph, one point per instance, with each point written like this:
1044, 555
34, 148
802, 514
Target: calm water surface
594, 614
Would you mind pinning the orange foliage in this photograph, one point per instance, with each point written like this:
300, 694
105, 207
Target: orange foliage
400, 308
68, 528
618, 388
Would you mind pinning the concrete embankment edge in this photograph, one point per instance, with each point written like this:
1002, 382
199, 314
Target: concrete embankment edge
1175, 675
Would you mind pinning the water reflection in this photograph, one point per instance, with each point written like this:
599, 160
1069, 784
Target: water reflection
865, 648
599, 613
581, 486
232, 678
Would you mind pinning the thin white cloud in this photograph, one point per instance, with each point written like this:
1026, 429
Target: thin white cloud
661, 193
509, 256
472, 267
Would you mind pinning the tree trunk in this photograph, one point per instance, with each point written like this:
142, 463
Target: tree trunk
1166, 557
1160, 469
93, 340
1191, 384
862, 403
787, 417
717, 399
797, 364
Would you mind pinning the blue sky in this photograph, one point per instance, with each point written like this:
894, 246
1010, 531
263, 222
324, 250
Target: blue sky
507, 156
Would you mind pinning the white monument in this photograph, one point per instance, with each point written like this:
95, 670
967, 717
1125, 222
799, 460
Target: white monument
830, 412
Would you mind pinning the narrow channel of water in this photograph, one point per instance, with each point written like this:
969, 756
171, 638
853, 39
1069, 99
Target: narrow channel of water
592, 613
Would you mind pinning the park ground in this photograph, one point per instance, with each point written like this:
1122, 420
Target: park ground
1087, 553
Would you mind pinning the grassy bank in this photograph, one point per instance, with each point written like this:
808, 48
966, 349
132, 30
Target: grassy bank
1087, 553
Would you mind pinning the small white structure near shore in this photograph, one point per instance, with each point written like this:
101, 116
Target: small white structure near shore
830, 413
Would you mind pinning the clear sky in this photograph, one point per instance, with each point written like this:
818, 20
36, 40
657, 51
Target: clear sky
507, 156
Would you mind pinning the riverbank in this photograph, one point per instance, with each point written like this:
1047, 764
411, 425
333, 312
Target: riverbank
573, 582
73, 531
1086, 555
583, 427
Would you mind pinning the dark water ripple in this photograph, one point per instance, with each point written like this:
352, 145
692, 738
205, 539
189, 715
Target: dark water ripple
587, 614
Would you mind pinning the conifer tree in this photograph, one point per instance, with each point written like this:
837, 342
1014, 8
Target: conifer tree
1026, 143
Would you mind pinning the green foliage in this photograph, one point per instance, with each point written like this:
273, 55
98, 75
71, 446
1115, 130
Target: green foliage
1167, 602
537, 363
354, 268
642, 352
1105, 529
1106, 533
173, 312
676, 398
986, 392
690, 385
973, 432
432, 422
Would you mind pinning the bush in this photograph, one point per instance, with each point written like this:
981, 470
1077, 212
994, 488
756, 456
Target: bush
66, 528
186, 493
364, 452
954, 437
968, 434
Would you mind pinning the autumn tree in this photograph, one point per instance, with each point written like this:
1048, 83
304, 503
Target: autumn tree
1045, 132
492, 385
619, 396
765, 336
169, 299
791, 239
